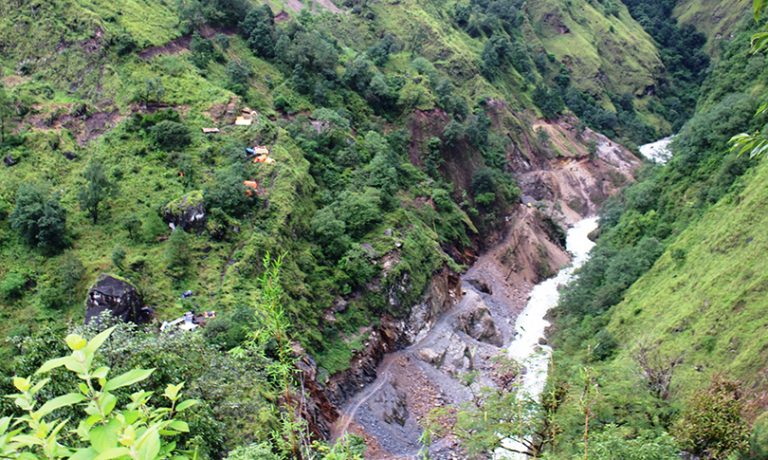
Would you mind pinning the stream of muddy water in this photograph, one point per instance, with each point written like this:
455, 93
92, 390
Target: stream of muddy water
453, 360
531, 325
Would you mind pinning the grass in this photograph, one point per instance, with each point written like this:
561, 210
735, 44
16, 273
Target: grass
717, 19
709, 307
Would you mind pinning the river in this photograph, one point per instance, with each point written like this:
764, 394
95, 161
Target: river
451, 363
531, 324
659, 151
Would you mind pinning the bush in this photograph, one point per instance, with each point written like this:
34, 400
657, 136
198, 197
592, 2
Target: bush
177, 254
227, 193
262, 451
610, 443
712, 425
39, 218
102, 425
171, 135
59, 289
12, 286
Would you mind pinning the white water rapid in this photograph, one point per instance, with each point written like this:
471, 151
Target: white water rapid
659, 151
531, 324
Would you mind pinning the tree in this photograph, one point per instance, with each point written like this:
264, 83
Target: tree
59, 289
6, 111
239, 75
177, 255
39, 218
550, 102
152, 90
227, 192
259, 29
171, 135
97, 189
712, 425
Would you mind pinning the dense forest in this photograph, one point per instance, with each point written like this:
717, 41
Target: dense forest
290, 179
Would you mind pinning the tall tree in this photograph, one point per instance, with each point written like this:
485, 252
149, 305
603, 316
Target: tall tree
97, 189
39, 218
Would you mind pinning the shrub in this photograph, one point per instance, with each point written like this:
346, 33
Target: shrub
12, 285
171, 135
60, 287
177, 254
227, 192
39, 218
610, 443
712, 425
137, 429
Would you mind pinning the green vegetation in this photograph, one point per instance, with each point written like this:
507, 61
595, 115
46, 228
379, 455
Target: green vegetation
137, 430
666, 314
390, 128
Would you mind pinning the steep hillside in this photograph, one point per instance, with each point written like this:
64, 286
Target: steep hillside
605, 49
718, 20
306, 177
663, 332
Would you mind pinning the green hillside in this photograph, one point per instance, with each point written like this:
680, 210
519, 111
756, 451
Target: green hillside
665, 324
395, 130
718, 20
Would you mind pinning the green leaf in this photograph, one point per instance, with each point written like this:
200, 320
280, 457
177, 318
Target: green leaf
57, 403
52, 364
179, 426
5, 422
115, 452
39, 386
186, 404
23, 384
99, 340
100, 373
107, 403
75, 342
148, 445
84, 454
758, 7
52, 447
172, 391
104, 437
129, 378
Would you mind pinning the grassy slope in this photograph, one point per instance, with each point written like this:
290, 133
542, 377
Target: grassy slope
709, 308
607, 53
717, 19
616, 46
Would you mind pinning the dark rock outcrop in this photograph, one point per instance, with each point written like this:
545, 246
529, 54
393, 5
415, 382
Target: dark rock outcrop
187, 212
119, 298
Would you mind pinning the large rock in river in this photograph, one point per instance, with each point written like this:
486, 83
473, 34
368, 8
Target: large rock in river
187, 212
118, 297
478, 323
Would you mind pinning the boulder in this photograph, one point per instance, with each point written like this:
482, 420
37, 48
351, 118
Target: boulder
478, 324
481, 286
118, 297
390, 405
187, 212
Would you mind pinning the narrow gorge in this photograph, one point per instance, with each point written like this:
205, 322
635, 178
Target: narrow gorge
486, 331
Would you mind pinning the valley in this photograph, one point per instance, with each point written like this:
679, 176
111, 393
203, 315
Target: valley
382, 229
